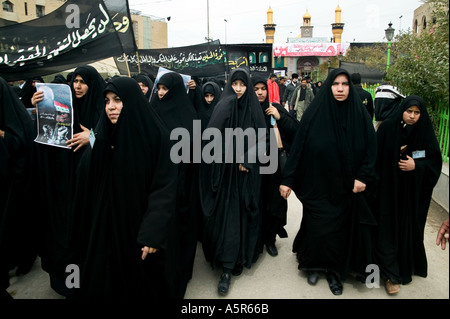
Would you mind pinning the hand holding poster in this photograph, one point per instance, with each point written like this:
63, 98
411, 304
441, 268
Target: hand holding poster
54, 115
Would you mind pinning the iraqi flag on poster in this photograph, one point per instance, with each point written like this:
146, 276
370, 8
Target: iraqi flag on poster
61, 107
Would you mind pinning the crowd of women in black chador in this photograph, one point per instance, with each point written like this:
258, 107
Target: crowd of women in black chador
130, 217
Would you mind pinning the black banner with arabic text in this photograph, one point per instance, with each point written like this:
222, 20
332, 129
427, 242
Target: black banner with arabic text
79, 32
256, 58
202, 60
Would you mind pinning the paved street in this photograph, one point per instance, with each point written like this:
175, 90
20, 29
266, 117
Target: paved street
278, 277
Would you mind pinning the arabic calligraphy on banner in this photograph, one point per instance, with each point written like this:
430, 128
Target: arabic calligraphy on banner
309, 49
197, 60
47, 42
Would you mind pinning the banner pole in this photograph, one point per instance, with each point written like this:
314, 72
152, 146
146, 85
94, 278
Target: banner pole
128, 68
139, 64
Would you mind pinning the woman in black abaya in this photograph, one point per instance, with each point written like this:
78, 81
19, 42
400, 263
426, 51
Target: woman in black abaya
408, 167
331, 168
56, 170
17, 186
230, 189
175, 109
274, 207
124, 232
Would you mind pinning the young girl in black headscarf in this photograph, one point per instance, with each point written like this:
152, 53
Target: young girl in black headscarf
408, 167
230, 190
330, 168
175, 109
126, 185
211, 91
274, 207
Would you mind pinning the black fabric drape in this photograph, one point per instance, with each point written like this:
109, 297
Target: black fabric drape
125, 195
18, 211
403, 198
334, 145
230, 198
57, 167
176, 111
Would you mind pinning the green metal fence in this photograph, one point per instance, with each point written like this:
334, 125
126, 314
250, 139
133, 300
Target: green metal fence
443, 130
443, 113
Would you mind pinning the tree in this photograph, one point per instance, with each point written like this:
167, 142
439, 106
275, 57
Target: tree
422, 61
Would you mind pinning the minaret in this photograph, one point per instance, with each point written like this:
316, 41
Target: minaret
270, 27
337, 27
306, 28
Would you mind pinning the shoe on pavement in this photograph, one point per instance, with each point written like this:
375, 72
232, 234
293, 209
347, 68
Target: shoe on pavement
334, 284
313, 277
224, 284
272, 250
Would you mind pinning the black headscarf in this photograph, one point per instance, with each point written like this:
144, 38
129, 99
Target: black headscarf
205, 110
87, 109
403, 198
125, 199
144, 79
27, 91
334, 145
175, 108
287, 124
17, 184
230, 199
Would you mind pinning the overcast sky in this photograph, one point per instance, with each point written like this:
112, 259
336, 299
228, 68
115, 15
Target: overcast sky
365, 20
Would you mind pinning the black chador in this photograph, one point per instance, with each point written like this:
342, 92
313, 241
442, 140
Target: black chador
176, 111
403, 197
230, 198
124, 201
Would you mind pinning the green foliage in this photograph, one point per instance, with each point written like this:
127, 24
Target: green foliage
421, 64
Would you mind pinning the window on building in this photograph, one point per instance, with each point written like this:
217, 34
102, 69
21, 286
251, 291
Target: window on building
8, 6
40, 11
26, 9
416, 26
424, 22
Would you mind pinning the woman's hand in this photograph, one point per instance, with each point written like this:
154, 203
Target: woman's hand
272, 110
243, 169
358, 186
147, 250
37, 97
285, 191
407, 165
80, 139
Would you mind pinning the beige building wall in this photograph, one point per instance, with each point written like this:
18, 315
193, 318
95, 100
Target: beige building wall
423, 19
25, 10
149, 32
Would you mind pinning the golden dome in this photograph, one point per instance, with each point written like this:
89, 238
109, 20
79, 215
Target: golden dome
307, 15
338, 9
270, 10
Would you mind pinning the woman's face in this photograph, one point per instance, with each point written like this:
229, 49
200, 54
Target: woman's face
143, 87
239, 87
411, 115
261, 92
162, 90
341, 88
113, 106
209, 97
80, 86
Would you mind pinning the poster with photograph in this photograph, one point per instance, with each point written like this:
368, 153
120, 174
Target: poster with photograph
161, 72
54, 115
